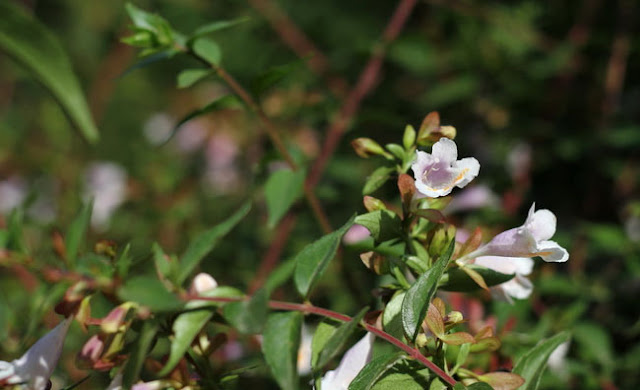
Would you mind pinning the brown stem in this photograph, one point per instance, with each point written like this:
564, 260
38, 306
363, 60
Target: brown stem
272, 132
295, 38
308, 308
364, 86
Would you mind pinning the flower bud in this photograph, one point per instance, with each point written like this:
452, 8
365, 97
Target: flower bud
409, 137
113, 322
454, 317
90, 352
366, 147
202, 283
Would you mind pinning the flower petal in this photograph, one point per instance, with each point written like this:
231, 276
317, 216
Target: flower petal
445, 150
516, 242
542, 224
38, 363
352, 362
551, 251
469, 168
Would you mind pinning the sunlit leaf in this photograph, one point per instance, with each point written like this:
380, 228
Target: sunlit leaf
314, 259
416, 300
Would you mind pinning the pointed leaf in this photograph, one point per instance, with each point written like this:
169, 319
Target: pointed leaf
315, 257
321, 336
377, 179
188, 77
416, 300
207, 50
372, 372
404, 375
435, 322
458, 338
77, 232
459, 280
149, 291
282, 189
206, 241
280, 347
532, 364
392, 316
338, 340
139, 353
383, 224
217, 26
32, 45
503, 380
475, 276
248, 316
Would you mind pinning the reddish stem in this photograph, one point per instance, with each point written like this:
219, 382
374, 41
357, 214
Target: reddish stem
308, 308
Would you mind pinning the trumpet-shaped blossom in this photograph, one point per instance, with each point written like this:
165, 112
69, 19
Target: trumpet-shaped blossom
352, 362
528, 240
437, 173
35, 367
519, 287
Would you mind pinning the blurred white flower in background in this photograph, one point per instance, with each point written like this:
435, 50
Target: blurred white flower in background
471, 198
158, 128
106, 183
13, 192
191, 136
222, 174
519, 161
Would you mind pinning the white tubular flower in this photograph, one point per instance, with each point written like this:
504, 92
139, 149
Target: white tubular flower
528, 240
352, 362
35, 367
519, 287
304, 351
437, 173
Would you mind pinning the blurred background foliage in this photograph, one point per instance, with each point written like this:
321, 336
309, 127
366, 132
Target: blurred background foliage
544, 94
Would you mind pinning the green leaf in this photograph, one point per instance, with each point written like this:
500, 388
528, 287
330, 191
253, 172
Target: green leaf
383, 224
416, 300
460, 281
404, 375
123, 263
314, 259
33, 46
162, 35
321, 336
280, 347
217, 26
139, 353
374, 370
248, 316
532, 364
206, 241
282, 189
77, 232
377, 179
149, 291
392, 316
162, 262
273, 76
185, 329
188, 77
207, 50
280, 275
224, 102
337, 341
479, 386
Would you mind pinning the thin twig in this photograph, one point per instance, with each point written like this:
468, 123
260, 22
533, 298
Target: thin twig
273, 134
364, 86
296, 39
307, 308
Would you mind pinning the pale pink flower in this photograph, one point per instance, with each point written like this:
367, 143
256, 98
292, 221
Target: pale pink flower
519, 287
13, 192
106, 183
35, 367
474, 197
355, 234
437, 173
528, 240
352, 362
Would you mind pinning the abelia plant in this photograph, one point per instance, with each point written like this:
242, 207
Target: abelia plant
164, 327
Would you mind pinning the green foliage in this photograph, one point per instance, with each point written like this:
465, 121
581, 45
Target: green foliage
313, 260
280, 347
334, 342
416, 300
282, 189
372, 372
532, 364
38, 50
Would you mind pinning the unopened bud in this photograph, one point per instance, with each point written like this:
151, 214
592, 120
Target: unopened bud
90, 352
454, 317
202, 283
373, 204
409, 137
113, 322
430, 131
366, 147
